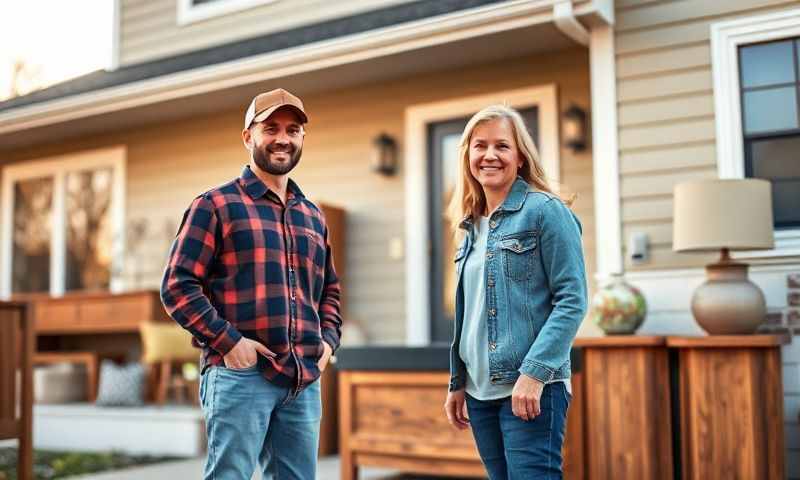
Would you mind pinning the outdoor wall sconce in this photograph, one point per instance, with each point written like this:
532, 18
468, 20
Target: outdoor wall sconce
384, 155
574, 128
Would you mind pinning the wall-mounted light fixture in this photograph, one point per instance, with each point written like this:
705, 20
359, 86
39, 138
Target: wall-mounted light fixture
384, 155
574, 128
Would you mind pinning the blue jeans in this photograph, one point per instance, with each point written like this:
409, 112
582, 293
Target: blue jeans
513, 449
250, 421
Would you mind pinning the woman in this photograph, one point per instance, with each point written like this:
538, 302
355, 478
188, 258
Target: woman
520, 296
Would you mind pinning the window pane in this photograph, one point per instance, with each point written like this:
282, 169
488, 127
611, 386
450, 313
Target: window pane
767, 64
88, 223
785, 202
770, 110
33, 210
776, 157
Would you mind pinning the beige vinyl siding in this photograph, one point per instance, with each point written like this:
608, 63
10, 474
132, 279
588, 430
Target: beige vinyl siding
168, 164
150, 30
667, 131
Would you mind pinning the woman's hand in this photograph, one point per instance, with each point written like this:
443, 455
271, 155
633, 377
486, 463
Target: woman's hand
456, 409
525, 397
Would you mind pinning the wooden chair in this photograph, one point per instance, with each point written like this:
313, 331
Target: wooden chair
16, 398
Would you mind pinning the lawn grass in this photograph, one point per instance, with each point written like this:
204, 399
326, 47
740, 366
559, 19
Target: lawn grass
53, 464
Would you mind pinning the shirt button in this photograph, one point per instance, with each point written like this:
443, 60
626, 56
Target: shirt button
493, 224
492, 312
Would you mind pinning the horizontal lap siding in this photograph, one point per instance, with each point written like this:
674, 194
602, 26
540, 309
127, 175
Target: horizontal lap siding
666, 110
149, 28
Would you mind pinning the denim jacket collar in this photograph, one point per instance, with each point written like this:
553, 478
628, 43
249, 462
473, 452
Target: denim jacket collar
516, 197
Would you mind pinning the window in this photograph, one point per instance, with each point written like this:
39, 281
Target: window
769, 84
62, 223
755, 73
190, 11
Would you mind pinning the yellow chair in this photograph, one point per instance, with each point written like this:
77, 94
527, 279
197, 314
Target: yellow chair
165, 346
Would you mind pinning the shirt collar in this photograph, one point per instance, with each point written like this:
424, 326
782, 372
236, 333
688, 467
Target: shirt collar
258, 189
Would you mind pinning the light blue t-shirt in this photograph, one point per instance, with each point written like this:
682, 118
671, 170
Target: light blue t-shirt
473, 347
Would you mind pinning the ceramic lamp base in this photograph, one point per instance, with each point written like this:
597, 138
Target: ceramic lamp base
728, 303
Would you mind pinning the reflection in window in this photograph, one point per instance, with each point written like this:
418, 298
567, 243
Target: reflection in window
449, 176
33, 212
88, 224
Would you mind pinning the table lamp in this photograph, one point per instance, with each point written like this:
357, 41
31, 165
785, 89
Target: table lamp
725, 215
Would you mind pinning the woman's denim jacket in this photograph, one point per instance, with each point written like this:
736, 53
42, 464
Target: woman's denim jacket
535, 283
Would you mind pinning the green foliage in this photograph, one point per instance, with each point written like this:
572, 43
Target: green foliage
49, 465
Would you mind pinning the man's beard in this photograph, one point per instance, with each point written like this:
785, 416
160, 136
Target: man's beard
261, 157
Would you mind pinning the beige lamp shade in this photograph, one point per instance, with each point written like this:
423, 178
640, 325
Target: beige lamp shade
715, 214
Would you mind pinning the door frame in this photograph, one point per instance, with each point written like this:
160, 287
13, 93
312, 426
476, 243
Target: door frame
417, 118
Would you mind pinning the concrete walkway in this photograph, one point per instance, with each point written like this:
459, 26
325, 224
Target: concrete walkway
328, 469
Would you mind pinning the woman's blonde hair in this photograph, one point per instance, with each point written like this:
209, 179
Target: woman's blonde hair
468, 199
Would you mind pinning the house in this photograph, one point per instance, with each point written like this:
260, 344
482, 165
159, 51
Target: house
660, 81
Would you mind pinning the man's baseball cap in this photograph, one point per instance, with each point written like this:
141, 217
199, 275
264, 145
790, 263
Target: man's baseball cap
264, 104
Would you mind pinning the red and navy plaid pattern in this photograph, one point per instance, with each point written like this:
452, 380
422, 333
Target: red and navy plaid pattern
243, 265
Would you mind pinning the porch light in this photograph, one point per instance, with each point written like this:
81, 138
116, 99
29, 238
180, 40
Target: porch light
574, 128
384, 155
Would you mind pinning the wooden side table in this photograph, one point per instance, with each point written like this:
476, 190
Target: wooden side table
731, 406
627, 407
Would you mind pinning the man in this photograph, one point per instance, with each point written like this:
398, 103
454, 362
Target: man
251, 276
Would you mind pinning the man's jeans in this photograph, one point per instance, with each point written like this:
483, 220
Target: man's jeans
249, 421
513, 449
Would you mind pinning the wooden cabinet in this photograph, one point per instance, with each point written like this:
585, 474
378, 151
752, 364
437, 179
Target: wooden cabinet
731, 415
626, 407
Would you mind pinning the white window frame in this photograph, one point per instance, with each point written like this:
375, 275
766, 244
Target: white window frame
57, 168
417, 119
726, 37
189, 13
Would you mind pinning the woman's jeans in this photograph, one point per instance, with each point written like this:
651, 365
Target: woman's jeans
251, 421
513, 449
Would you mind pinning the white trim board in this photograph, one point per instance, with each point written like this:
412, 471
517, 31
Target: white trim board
189, 13
57, 168
726, 37
438, 30
417, 117
605, 152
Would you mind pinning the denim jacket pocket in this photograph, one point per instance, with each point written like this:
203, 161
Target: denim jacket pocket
518, 250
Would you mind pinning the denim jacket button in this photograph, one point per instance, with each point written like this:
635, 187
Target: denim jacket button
493, 224
492, 312
492, 346
489, 255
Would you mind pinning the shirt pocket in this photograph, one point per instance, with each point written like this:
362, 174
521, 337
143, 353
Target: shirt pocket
518, 254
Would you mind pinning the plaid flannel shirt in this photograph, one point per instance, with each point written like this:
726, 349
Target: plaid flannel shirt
242, 264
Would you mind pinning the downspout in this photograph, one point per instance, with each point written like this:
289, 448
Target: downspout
564, 18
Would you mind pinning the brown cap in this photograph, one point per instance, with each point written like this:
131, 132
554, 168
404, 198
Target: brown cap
264, 104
